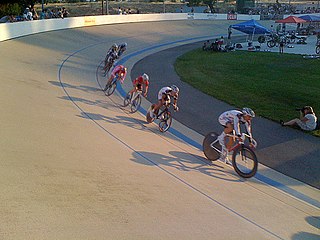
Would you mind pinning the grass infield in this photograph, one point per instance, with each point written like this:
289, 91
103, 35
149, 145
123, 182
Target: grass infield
272, 84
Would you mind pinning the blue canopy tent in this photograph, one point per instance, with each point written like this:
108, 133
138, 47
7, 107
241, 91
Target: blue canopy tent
250, 27
310, 18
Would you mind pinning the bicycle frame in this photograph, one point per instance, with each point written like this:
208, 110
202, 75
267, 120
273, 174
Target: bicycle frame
237, 143
166, 108
135, 95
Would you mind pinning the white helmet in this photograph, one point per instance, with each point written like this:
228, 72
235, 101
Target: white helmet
248, 112
175, 88
114, 46
145, 77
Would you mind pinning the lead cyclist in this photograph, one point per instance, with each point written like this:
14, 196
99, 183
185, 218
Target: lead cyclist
231, 120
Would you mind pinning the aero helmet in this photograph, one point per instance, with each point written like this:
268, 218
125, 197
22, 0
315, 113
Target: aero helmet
145, 77
114, 46
175, 88
248, 112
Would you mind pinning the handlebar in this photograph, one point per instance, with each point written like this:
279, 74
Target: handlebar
243, 137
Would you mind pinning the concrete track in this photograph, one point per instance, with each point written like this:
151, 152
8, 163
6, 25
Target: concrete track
75, 165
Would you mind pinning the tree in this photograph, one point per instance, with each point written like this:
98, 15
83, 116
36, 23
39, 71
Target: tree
14, 7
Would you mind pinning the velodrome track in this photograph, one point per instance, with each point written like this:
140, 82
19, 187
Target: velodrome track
74, 165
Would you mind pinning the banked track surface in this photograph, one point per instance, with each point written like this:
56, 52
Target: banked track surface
95, 171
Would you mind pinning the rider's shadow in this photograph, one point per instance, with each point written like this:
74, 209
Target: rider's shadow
184, 162
84, 88
127, 121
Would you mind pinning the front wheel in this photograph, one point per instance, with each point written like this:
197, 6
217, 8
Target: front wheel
127, 99
148, 117
271, 43
165, 121
135, 104
211, 146
110, 88
318, 50
245, 161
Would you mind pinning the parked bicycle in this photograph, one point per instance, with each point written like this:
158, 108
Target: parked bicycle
164, 116
244, 159
134, 100
318, 48
111, 87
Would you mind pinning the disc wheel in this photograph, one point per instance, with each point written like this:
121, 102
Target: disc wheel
245, 162
211, 152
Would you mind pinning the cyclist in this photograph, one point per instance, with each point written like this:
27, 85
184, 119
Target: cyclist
139, 82
118, 70
111, 55
164, 95
231, 120
121, 48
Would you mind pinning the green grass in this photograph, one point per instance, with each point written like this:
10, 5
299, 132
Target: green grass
272, 84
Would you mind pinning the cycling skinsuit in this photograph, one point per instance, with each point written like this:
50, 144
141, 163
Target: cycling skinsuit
234, 117
164, 90
139, 81
119, 70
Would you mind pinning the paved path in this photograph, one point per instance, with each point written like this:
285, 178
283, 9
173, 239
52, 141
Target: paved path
75, 165
286, 150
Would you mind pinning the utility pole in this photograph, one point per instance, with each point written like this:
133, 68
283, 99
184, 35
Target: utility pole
102, 7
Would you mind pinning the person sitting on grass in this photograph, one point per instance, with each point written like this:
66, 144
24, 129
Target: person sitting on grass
307, 121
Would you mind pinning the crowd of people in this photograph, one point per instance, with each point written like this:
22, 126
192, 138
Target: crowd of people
30, 14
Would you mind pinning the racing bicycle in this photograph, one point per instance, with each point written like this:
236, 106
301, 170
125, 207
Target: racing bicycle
244, 159
108, 64
111, 87
164, 116
134, 100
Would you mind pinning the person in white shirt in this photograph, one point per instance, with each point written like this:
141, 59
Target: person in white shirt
307, 120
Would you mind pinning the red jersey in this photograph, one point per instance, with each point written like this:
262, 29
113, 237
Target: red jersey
140, 80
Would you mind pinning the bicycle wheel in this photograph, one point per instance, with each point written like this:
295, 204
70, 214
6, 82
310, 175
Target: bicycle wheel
148, 117
136, 104
212, 152
165, 121
318, 50
245, 161
271, 43
110, 88
127, 100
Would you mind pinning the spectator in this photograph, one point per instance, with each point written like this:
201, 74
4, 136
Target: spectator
229, 32
42, 15
278, 28
64, 13
119, 11
307, 121
282, 43
27, 15
34, 14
